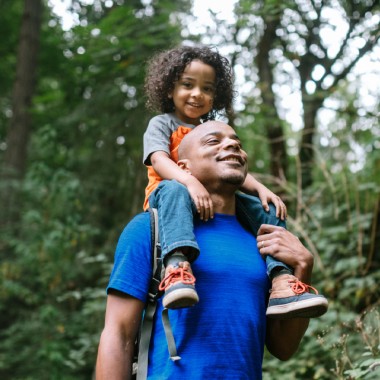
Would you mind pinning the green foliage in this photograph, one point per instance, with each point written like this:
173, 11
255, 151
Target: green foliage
337, 218
11, 23
10, 12
45, 280
85, 179
335, 223
338, 346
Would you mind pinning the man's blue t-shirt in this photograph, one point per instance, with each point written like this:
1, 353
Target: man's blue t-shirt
222, 337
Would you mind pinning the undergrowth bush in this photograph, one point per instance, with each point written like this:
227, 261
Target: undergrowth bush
337, 224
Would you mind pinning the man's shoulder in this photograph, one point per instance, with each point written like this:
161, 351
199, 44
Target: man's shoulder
254, 206
132, 269
140, 219
136, 236
137, 226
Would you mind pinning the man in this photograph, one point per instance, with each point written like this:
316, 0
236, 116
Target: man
224, 336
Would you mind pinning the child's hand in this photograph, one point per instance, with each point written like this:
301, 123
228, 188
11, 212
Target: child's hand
254, 187
267, 196
202, 200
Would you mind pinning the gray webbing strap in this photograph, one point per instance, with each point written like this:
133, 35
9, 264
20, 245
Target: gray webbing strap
147, 323
155, 215
146, 332
169, 336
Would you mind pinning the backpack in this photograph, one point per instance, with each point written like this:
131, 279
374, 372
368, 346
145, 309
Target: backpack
141, 350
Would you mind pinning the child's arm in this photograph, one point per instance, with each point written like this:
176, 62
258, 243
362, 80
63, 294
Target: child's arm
166, 168
254, 187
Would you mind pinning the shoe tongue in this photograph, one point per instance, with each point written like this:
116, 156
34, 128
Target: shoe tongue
175, 259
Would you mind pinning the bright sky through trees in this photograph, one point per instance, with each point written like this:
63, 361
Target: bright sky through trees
364, 78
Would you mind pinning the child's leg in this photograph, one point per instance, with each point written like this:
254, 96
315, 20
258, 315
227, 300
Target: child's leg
289, 297
251, 214
276, 268
178, 244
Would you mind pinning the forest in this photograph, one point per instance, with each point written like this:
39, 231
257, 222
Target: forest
72, 116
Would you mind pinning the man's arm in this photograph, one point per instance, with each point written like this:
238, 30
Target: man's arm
284, 336
115, 353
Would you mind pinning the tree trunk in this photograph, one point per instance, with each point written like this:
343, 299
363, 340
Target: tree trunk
306, 148
140, 181
374, 255
310, 109
18, 134
273, 127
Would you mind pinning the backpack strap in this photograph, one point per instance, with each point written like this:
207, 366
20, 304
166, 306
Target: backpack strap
150, 309
154, 293
169, 335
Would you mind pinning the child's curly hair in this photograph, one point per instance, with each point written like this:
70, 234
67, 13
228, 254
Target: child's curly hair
165, 68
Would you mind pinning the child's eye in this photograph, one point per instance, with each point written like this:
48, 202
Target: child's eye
209, 89
186, 84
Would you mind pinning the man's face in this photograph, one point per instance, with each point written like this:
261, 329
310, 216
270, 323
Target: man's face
217, 157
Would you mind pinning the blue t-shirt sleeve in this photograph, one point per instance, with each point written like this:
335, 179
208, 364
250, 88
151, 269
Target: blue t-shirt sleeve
132, 268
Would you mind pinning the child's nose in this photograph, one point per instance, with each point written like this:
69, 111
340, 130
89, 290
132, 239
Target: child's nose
196, 91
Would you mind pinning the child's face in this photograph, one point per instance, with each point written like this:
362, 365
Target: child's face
193, 93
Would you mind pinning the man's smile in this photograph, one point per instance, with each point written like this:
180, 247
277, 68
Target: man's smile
233, 158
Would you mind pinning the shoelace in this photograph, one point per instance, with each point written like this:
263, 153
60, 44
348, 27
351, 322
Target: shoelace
300, 287
177, 274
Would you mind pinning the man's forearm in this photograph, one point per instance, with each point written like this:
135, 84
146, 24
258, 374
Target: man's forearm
114, 357
284, 336
117, 342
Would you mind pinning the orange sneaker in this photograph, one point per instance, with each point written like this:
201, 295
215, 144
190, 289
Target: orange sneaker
290, 298
178, 285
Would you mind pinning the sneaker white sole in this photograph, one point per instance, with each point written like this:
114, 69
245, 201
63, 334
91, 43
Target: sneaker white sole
180, 298
311, 308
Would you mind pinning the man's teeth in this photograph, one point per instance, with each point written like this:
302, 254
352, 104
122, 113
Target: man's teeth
231, 159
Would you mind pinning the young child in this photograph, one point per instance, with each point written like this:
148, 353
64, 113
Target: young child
190, 85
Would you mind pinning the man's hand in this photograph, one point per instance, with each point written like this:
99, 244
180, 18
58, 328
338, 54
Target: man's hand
286, 247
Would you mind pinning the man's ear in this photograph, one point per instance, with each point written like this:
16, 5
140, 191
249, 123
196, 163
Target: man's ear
184, 165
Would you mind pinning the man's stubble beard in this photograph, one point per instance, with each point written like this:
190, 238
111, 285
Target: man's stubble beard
236, 180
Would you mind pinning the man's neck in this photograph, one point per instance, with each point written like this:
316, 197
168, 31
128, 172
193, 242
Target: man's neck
223, 204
